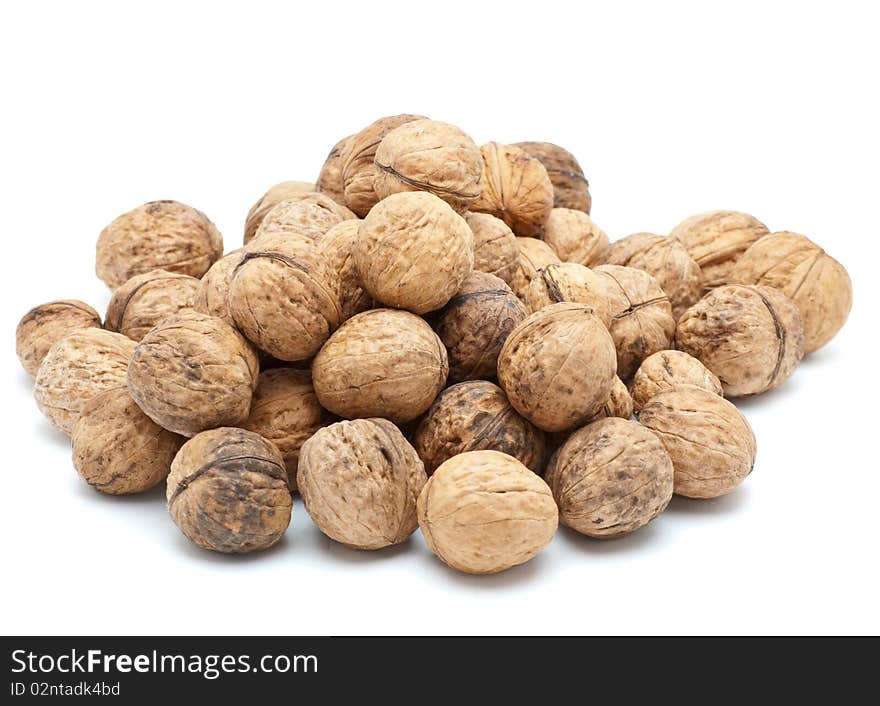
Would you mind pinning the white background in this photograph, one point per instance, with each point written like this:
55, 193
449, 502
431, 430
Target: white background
672, 109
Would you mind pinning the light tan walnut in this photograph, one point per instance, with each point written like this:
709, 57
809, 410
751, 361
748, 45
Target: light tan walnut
144, 300
495, 248
212, 296
330, 179
570, 187
534, 255
664, 370
310, 215
46, 324
278, 193
575, 237
569, 282
337, 244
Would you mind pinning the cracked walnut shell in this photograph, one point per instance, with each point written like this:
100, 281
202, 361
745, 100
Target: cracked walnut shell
337, 244
48, 323
664, 370
278, 193
570, 187
144, 300
569, 282
575, 237
534, 255
483, 512
495, 248
330, 179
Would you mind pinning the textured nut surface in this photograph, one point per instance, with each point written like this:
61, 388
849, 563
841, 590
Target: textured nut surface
534, 255
278, 193
360, 481
227, 491
117, 449
641, 316
284, 296
413, 252
716, 239
330, 179
474, 325
212, 296
557, 367
752, 338
337, 244
285, 411
711, 444
610, 478
48, 323
575, 238
817, 283
667, 261
569, 282
358, 167
495, 248
76, 368
474, 416
483, 512
619, 402
144, 300
160, 235
664, 370
193, 372
381, 363
310, 215
570, 187
516, 189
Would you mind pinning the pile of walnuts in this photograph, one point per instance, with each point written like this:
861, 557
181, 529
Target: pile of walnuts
433, 335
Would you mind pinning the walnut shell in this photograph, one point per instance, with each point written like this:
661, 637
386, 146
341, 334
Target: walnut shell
76, 368
752, 338
817, 283
358, 167
285, 411
360, 481
516, 188
473, 416
570, 187
664, 370
483, 512
381, 363
413, 252
641, 316
474, 325
427, 155
227, 491
557, 367
337, 244
330, 179
46, 324
711, 444
193, 372
212, 296
610, 478
667, 261
310, 215
278, 193
117, 449
575, 237
160, 235
144, 300
534, 255
569, 282
495, 248
619, 402
716, 239
284, 296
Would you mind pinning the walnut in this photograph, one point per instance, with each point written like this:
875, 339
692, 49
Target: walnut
46, 324
310, 215
570, 187
472, 416
427, 155
284, 296
413, 252
285, 411
534, 255
144, 300
816, 282
557, 367
117, 449
483, 512
641, 316
330, 179
474, 325
227, 491
359, 481
160, 235
575, 238
495, 248
716, 239
76, 368
278, 193
569, 282
610, 478
193, 372
516, 188
212, 296
619, 402
752, 338
381, 363
664, 370
337, 244
711, 444
667, 261
358, 167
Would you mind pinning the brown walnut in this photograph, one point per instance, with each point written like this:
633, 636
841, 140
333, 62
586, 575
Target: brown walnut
664, 370
278, 193
495, 248
619, 402
212, 296
337, 244
144, 300
46, 324
310, 215
330, 179
570, 187
575, 237
534, 255
569, 282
